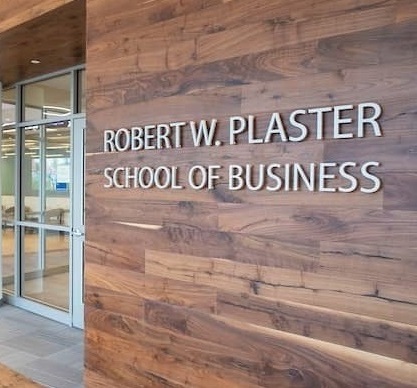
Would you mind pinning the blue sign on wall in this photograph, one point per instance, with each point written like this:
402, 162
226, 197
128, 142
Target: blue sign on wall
61, 186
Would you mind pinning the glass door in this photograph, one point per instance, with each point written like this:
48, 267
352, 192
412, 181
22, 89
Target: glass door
42, 193
45, 214
52, 217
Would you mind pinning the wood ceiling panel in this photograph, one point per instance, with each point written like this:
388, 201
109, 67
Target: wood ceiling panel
16, 12
56, 38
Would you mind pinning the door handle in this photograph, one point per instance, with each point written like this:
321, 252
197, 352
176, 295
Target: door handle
77, 233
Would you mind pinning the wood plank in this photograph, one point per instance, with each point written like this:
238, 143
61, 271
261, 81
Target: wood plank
318, 363
400, 190
406, 10
160, 356
101, 250
197, 43
147, 14
130, 284
278, 32
337, 293
391, 270
96, 379
12, 379
21, 11
155, 212
104, 361
189, 240
387, 338
327, 88
114, 301
383, 263
391, 228
333, 54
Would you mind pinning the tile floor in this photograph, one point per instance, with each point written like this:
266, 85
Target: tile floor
48, 352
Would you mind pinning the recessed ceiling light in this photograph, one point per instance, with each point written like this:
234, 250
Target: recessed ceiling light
35, 61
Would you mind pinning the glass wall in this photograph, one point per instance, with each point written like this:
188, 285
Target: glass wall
36, 175
8, 184
48, 99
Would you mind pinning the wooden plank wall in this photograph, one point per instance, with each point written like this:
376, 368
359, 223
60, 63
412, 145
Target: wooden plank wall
220, 288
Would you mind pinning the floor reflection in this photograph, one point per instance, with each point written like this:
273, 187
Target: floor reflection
46, 282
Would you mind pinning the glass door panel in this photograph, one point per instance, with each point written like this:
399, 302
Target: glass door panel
47, 99
31, 176
7, 176
46, 174
57, 174
45, 217
8, 263
8, 162
45, 266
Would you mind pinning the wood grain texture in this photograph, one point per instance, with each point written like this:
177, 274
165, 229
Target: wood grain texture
358, 331
18, 12
51, 31
12, 379
221, 288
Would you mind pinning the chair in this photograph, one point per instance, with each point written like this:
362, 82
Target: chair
8, 216
54, 216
